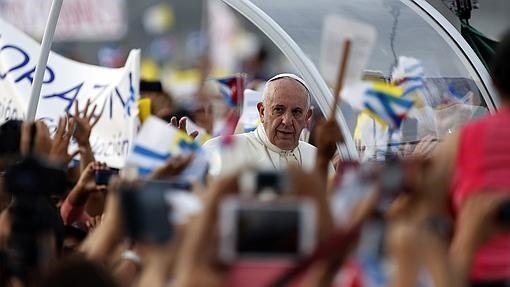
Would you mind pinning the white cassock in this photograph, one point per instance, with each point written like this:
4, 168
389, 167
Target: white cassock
254, 149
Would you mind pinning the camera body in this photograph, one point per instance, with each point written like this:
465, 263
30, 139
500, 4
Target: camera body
152, 208
264, 182
283, 229
147, 213
103, 175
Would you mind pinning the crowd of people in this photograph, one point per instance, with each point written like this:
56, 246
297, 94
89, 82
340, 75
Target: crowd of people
273, 210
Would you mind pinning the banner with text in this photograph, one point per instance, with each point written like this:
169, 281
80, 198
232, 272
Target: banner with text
114, 91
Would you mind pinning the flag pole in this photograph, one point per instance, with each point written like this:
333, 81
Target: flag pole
43, 58
340, 77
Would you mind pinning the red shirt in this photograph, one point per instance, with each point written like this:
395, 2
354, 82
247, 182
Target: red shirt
483, 163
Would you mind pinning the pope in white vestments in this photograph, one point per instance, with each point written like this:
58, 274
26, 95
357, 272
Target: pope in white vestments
275, 143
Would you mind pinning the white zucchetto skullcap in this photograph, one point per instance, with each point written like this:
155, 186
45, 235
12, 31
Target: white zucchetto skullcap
292, 76
287, 75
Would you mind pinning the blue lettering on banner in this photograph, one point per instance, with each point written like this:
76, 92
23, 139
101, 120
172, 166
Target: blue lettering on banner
125, 104
23, 63
30, 76
8, 110
115, 146
131, 99
100, 87
63, 96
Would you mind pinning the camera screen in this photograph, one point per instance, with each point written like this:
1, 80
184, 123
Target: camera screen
270, 180
268, 232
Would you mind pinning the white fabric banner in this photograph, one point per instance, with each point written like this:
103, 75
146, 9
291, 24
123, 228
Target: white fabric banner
114, 91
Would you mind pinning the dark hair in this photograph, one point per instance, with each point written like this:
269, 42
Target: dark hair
500, 69
78, 272
151, 86
10, 137
33, 215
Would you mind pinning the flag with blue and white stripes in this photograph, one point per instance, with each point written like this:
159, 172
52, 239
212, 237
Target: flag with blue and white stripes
384, 102
157, 142
409, 75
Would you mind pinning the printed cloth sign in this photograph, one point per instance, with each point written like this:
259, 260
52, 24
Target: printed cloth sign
114, 91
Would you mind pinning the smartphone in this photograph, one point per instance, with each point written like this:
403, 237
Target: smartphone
103, 175
283, 229
256, 182
147, 214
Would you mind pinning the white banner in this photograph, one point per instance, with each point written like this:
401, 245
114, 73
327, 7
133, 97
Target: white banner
114, 91
80, 20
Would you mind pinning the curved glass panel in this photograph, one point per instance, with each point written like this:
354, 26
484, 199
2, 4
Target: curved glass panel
455, 92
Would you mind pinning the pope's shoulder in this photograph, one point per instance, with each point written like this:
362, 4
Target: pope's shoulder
307, 146
216, 142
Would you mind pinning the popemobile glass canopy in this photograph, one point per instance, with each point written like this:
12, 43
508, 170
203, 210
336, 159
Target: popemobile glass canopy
458, 85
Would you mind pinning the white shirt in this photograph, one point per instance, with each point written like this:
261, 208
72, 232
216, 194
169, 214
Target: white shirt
255, 149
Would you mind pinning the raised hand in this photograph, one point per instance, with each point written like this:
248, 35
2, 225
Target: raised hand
85, 121
423, 150
86, 184
60, 144
181, 124
328, 134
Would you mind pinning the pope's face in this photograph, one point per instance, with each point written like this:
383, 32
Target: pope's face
284, 112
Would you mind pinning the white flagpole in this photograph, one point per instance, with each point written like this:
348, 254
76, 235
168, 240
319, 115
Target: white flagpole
43, 58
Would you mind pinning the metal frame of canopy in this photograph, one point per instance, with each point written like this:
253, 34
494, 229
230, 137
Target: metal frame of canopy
317, 84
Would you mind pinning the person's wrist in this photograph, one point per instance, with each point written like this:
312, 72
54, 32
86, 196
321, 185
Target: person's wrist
464, 244
465, 237
322, 163
83, 189
83, 143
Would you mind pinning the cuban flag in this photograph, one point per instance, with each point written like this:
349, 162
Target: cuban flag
156, 143
232, 89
